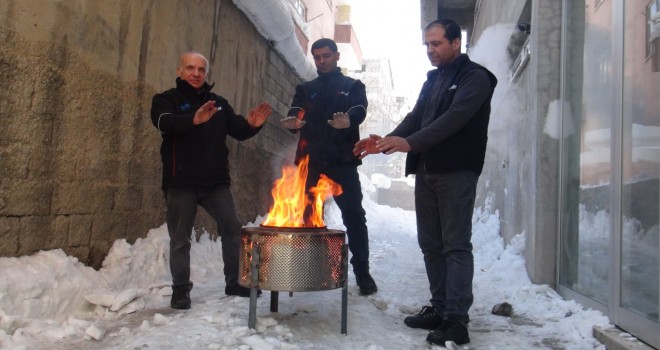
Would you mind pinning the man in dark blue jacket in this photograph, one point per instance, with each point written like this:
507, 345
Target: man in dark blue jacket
194, 124
328, 112
445, 137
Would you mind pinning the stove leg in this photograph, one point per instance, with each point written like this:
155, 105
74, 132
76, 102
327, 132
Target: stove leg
254, 269
252, 316
344, 311
274, 295
344, 293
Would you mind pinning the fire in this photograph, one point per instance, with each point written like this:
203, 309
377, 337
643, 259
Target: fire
293, 207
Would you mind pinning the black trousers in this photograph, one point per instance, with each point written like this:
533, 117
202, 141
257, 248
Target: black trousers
444, 204
182, 205
352, 212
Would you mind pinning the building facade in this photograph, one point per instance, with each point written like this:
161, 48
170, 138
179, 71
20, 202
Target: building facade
574, 162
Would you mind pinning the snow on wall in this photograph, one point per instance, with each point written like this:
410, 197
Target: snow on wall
274, 21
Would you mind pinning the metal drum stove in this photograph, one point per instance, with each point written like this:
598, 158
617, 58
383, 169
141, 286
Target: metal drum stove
292, 259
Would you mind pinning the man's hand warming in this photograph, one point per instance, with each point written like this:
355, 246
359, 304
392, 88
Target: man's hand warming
292, 123
340, 121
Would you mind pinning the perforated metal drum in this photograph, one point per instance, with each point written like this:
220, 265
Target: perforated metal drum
292, 259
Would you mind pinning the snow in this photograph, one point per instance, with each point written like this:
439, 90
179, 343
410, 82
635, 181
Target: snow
274, 20
52, 301
381, 181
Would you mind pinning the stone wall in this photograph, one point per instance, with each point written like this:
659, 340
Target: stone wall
79, 160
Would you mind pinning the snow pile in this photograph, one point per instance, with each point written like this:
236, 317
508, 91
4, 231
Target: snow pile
274, 21
125, 305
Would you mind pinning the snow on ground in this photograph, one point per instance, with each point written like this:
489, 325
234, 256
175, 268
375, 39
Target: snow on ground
52, 301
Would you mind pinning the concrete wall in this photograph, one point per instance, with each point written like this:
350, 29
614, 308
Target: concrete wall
520, 177
79, 160
541, 247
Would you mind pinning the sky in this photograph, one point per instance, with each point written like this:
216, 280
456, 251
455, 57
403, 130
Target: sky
391, 28
51, 301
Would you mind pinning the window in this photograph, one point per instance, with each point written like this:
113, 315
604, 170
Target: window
597, 3
652, 28
300, 8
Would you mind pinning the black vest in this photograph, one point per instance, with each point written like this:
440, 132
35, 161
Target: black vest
466, 149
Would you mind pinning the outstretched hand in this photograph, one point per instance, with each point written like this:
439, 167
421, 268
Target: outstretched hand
376, 144
257, 116
205, 112
292, 123
366, 146
391, 144
340, 120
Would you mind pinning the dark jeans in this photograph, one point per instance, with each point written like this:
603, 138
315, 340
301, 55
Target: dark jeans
181, 210
444, 204
352, 213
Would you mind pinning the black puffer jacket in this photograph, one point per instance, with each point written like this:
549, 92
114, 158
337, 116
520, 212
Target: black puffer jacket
195, 155
314, 102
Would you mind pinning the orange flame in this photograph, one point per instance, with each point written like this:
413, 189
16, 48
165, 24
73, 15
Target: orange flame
293, 207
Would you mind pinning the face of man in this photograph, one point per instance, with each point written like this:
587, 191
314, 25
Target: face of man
440, 50
192, 69
325, 60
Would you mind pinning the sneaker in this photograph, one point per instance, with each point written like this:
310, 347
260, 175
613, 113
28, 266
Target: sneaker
240, 291
451, 329
428, 318
181, 296
366, 283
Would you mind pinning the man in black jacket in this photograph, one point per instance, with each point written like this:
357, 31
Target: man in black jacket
328, 112
445, 137
194, 124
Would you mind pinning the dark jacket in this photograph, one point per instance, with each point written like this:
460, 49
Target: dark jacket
195, 155
314, 102
452, 135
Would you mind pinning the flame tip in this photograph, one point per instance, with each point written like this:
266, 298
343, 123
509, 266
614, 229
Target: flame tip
292, 206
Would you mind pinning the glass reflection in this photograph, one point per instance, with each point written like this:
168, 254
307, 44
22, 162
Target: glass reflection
586, 160
641, 159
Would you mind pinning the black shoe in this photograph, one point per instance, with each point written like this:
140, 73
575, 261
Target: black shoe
366, 283
181, 296
428, 318
451, 329
240, 291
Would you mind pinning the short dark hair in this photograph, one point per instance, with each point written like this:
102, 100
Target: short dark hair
452, 29
321, 43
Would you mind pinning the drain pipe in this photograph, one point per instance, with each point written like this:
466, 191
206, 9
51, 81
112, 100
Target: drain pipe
273, 20
474, 23
216, 25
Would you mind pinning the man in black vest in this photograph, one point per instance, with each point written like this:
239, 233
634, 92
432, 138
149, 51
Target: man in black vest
445, 137
327, 112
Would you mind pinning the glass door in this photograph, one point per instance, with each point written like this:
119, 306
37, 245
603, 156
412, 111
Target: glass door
588, 89
609, 253
638, 242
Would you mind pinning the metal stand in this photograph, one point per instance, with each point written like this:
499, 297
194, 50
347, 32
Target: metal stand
274, 295
344, 292
254, 266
